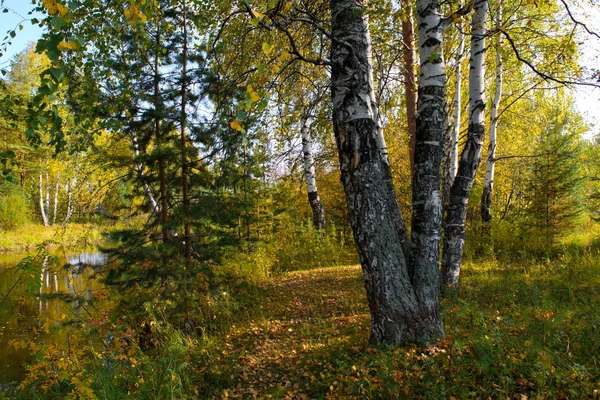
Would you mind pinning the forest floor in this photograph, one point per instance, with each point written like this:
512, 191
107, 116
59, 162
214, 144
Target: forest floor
516, 331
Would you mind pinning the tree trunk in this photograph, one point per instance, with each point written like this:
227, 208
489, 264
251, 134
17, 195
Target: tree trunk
184, 163
42, 206
55, 208
162, 176
450, 157
410, 78
311, 181
139, 168
69, 191
47, 205
454, 229
399, 313
488, 183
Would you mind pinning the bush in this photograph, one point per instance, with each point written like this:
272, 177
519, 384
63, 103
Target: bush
14, 211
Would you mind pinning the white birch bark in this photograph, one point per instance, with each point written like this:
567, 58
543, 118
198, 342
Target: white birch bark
427, 201
454, 232
398, 313
42, 206
450, 157
310, 176
55, 207
488, 183
47, 205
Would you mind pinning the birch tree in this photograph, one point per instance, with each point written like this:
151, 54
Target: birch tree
401, 275
308, 161
454, 232
450, 156
488, 183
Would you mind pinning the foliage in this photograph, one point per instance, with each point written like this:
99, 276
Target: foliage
14, 210
521, 328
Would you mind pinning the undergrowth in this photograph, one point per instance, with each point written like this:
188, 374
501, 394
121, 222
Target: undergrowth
517, 329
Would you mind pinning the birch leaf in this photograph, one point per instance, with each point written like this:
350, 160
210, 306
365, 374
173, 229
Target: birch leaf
235, 124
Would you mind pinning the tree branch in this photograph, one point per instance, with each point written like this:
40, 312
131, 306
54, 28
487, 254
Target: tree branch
537, 71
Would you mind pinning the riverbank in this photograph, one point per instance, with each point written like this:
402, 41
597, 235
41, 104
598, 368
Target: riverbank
73, 237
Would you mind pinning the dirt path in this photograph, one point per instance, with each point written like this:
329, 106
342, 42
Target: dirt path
310, 321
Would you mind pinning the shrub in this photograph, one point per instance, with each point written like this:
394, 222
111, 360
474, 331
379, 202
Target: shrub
14, 210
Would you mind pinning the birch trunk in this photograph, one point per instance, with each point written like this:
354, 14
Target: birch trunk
55, 208
69, 191
399, 313
42, 206
426, 199
488, 183
450, 158
454, 232
47, 205
311, 181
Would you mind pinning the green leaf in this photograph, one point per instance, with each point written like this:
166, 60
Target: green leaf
266, 48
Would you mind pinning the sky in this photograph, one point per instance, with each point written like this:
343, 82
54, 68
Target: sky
587, 98
17, 15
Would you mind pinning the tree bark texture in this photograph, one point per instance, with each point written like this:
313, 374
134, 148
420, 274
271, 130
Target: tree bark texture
488, 183
450, 157
454, 229
426, 203
399, 312
310, 177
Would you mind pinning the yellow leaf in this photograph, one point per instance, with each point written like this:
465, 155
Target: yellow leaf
62, 10
258, 14
64, 46
253, 96
235, 124
51, 6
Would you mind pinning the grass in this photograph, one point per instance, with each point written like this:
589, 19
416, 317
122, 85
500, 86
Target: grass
516, 330
26, 238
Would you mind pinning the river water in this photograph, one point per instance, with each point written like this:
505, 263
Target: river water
23, 313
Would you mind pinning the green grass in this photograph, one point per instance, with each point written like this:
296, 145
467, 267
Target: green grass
73, 237
527, 329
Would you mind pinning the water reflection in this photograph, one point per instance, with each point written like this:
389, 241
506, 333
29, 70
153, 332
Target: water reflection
22, 314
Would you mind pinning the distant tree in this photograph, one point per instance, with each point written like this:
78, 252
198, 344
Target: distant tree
556, 196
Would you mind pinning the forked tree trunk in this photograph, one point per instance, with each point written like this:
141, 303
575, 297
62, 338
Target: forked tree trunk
402, 310
42, 205
314, 199
454, 229
450, 157
488, 183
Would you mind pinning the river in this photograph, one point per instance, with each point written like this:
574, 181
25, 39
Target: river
23, 313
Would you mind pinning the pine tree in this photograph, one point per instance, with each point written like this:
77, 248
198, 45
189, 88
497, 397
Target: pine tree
555, 185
